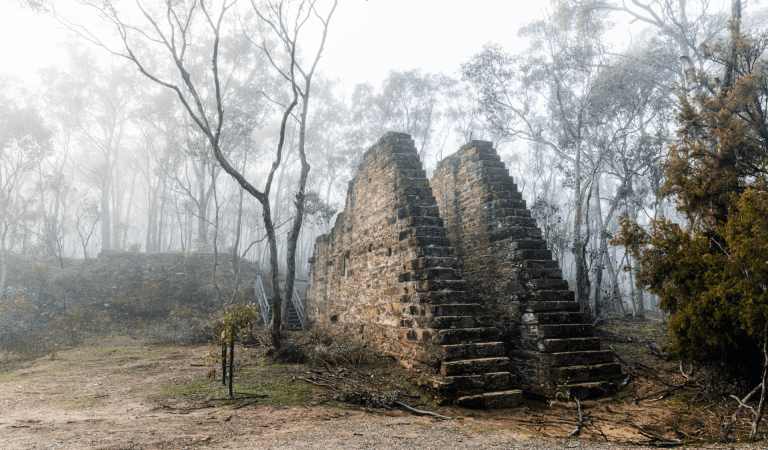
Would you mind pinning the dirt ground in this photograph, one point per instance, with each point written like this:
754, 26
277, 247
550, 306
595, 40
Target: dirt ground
119, 394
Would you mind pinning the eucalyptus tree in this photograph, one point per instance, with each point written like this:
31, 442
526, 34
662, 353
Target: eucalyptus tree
411, 102
597, 113
25, 139
191, 30
544, 96
100, 125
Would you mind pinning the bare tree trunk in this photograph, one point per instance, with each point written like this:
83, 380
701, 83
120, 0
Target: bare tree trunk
582, 277
733, 41
761, 405
3, 266
238, 230
128, 212
106, 225
600, 237
231, 363
202, 211
293, 235
639, 299
223, 363
615, 290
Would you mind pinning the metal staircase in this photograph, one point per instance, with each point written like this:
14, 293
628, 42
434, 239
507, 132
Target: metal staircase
296, 319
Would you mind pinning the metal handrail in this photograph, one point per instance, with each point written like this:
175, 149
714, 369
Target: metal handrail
265, 307
298, 305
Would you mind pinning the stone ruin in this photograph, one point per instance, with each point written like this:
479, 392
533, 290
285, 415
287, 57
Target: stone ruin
453, 278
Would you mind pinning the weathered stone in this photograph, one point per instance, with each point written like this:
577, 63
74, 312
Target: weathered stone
453, 276
569, 345
508, 268
492, 400
459, 335
467, 351
479, 365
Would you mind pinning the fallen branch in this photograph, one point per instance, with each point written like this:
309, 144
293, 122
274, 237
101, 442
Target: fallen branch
742, 404
316, 383
666, 444
761, 403
422, 413
664, 394
245, 404
577, 430
240, 397
649, 434
688, 376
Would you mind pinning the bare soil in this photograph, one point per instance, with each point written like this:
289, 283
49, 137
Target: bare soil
119, 394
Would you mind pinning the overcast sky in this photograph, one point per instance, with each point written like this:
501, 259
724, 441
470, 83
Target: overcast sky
367, 39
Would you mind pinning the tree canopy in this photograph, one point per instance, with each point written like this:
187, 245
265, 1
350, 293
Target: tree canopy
710, 273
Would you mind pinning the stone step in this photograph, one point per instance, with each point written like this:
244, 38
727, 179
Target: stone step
529, 253
539, 307
451, 322
474, 366
423, 230
511, 233
534, 274
443, 297
546, 295
594, 389
497, 210
569, 345
480, 382
560, 331
423, 286
466, 335
517, 220
551, 318
468, 351
492, 400
432, 263
438, 252
507, 203
504, 194
454, 309
539, 264
583, 358
549, 284
579, 374
441, 274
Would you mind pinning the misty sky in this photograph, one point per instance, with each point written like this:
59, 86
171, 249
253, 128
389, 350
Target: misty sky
367, 38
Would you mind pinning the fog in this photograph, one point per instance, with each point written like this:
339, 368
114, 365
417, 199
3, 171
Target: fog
117, 134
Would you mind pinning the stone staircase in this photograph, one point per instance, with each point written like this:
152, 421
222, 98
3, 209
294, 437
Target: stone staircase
474, 371
556, 341
551, 346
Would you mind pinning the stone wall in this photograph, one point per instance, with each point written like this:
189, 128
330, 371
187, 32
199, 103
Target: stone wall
130, 284
386, 262
487, 220
482, 321
510, 271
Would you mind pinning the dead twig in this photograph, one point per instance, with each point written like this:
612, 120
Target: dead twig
577, 430
666, 444
422, 413
245, 404
687, 376
649, 434
742, 404
316, 383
